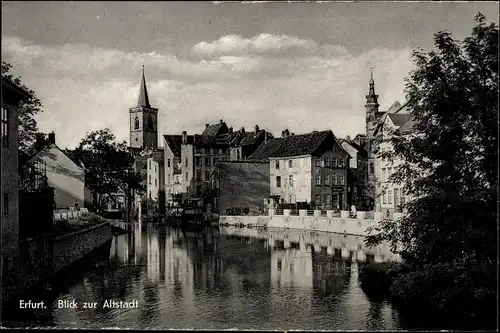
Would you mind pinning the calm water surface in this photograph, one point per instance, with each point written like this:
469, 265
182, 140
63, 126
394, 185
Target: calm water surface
219, 278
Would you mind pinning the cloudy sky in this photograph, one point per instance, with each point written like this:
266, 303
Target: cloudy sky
302, 66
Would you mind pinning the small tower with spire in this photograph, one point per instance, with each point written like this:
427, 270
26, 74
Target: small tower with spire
143, 121
371, 106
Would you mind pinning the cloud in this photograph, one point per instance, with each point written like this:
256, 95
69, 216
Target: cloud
243, 81
265, 44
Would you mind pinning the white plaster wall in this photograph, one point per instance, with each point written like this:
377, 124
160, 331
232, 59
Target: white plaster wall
302, 179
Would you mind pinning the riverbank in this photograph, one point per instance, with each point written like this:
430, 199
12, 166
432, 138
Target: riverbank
43, 257
450, 296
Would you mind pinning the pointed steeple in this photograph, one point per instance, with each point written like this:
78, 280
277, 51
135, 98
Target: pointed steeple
372, 98
143, 94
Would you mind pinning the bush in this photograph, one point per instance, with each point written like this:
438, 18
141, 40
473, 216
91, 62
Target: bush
377, 278
91, 218
460, 290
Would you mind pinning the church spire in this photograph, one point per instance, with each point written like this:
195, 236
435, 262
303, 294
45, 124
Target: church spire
372, 98
143, 94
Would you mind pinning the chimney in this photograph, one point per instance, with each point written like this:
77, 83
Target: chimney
265, 136
206, 125
242, 130
52, 137
195, 137
40, 139
348, 138
256, 129
231, 129
184, 137
285, 133
221, 121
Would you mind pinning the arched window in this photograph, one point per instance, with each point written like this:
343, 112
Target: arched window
136, 123
150, 123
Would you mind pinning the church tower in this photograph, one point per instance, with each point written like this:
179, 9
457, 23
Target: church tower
143, 121
371, 107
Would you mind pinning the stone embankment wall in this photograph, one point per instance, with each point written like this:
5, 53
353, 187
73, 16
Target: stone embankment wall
74, 246
42, 257
309, 220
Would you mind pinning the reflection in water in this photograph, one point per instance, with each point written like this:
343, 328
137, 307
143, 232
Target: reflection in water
219, 278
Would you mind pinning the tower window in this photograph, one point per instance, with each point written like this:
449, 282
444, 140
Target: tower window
136, 123
150, 123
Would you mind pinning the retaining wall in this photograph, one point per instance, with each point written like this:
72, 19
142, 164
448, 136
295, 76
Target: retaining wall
42, 257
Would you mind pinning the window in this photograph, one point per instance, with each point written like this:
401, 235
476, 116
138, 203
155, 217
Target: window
155, 167
327, 180
334, 162
149, 179
198, 161
318, 199
156, 182
177, 179
318, 161
327, 199
372, 169
389, 173
149, 164
290, 163
327, 161
186, 176
136, 123
168, 163
198, 174
168, 178
207, 175
150, 123
384, 198
5, 127
334, 179
238, 154
216, 161
6, 204
341, 162
341, 179
383, 175
278, 181
203, 151
389, 197
207, 162
186, 162
318, 180
211, 151
277, 164
290, 180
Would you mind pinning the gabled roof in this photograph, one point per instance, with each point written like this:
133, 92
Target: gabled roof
398, 119
293, 145
394, 107
216, 129
37, 148
407, 127
266, 149
175, 142
353, 144
13, 92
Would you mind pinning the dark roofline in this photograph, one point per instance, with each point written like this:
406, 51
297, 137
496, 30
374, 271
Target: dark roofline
29, 158
21, 93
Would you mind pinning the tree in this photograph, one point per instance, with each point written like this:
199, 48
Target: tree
28, 110
450, 165
108, 166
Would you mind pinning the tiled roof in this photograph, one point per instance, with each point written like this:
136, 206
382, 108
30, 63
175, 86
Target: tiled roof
266, 150
407, 127
293, 145
399, 118
394, 107
175, 142
216, 129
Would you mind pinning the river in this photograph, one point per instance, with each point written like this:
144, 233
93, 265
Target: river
217, 278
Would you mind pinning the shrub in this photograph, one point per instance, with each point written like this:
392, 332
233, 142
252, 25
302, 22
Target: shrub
377, 278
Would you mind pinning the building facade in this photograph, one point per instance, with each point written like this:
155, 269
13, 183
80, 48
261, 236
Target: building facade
63, 174
191, 160
390, 196
357, 177
308, 168
12, 96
